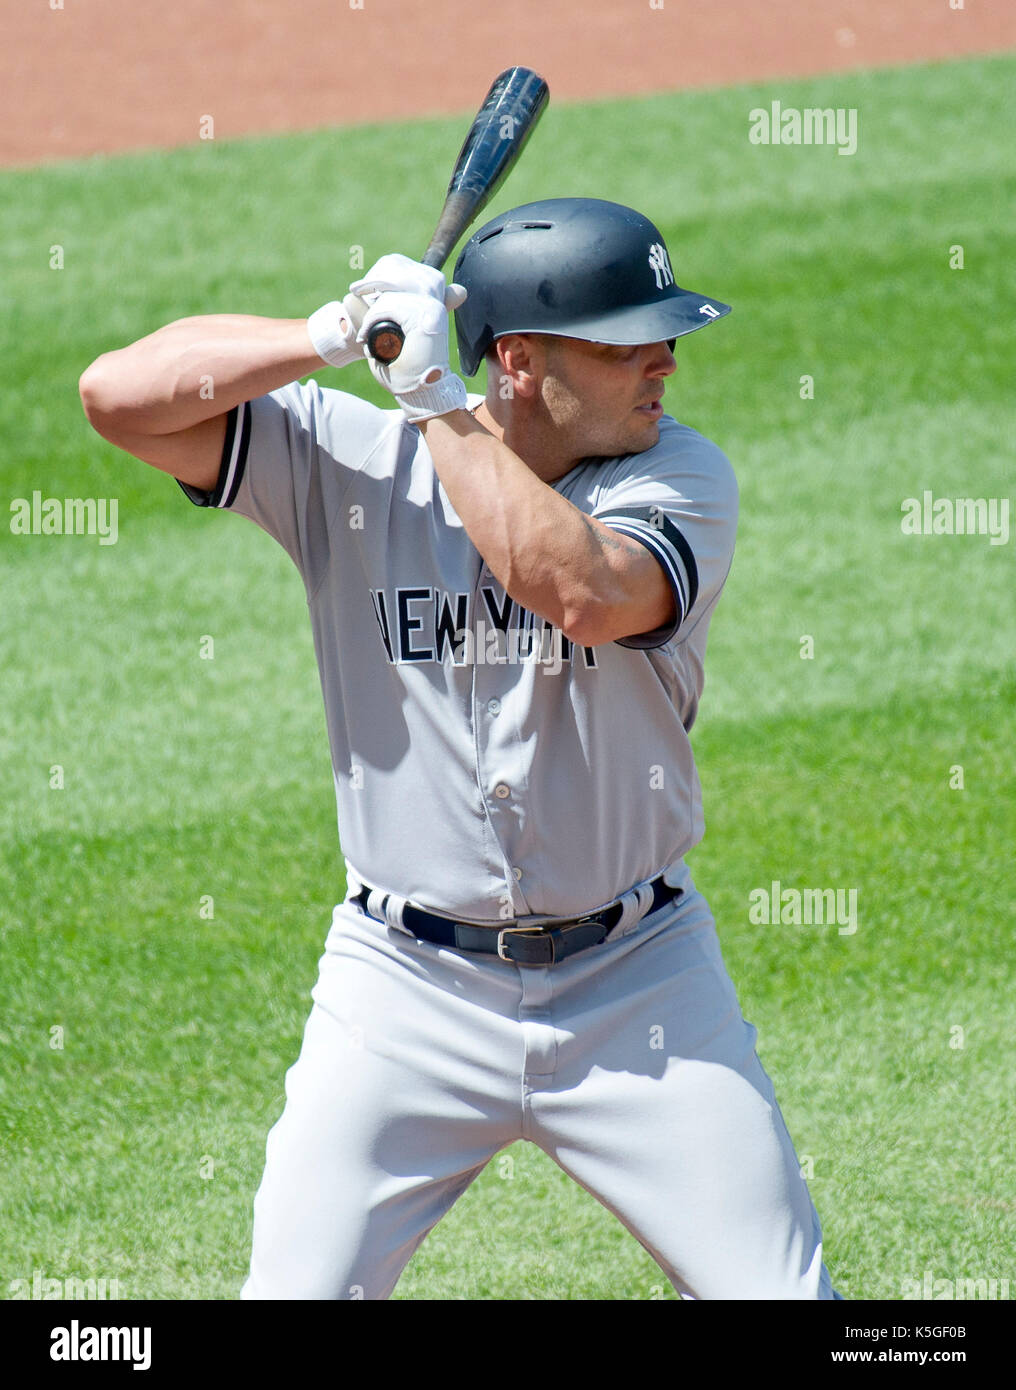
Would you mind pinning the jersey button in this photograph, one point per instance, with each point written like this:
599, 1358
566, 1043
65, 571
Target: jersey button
517, 873
502, 790
493, 706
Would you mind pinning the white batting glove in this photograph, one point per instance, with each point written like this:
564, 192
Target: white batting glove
404, 276
333, 330
420, 378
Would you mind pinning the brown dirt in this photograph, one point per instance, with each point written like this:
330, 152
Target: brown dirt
103, 75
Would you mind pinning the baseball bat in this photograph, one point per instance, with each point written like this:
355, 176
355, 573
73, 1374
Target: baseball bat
500, 129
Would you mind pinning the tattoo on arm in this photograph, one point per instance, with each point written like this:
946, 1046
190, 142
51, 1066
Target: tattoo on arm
604, 538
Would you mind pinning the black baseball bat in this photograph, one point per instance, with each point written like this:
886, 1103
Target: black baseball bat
496, 138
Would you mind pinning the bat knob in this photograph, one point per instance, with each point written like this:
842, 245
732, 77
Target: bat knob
384, 341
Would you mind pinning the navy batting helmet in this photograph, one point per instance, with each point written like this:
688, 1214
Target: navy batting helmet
575, 267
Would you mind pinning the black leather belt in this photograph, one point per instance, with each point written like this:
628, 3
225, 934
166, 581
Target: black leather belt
537, 945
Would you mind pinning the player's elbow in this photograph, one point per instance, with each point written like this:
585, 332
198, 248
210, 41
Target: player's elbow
599, 620
93, 389
590, 623
102, 397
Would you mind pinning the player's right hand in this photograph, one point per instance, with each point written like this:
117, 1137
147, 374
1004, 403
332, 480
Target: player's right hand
420, 378
398, 274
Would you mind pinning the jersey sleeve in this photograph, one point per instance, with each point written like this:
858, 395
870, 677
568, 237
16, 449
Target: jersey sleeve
680, 500
287, 460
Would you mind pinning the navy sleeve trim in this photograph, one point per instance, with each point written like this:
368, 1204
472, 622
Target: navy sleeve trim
234, 462
658, 534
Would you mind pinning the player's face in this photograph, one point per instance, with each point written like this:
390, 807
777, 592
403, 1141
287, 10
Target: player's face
605, 399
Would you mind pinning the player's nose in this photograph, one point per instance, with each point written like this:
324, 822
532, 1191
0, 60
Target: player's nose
661, 361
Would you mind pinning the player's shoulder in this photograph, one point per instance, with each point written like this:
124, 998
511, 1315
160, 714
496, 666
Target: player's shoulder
684, 446
682, 458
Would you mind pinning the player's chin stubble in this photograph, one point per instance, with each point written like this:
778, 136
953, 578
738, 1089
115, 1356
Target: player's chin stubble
585, 433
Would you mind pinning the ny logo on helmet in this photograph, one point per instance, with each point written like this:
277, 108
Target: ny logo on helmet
659, 263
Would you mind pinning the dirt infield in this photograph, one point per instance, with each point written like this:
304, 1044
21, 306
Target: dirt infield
82, 76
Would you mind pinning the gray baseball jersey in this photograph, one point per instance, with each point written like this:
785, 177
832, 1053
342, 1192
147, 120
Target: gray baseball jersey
486, 768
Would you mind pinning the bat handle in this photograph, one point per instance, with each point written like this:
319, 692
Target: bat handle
385, 340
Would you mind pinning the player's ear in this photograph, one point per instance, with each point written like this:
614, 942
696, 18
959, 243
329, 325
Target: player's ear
519, 363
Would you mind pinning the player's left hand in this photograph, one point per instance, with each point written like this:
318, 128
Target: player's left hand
404, 276
420, 378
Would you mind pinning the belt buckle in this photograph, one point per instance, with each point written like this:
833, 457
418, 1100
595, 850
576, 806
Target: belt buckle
541, 932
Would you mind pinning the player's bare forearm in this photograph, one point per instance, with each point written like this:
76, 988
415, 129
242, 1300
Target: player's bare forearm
193, 370
552, 558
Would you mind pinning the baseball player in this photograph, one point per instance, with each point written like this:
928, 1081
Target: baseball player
510, 596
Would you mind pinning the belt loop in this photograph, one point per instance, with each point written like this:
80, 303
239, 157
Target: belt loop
635, 904
629, 908
646, 895
387, 908
391, 911
635, 909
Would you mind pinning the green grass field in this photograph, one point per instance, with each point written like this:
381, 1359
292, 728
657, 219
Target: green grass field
133, 1149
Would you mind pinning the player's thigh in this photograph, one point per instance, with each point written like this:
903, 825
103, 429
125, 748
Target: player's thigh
379, 1135
663, 1110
